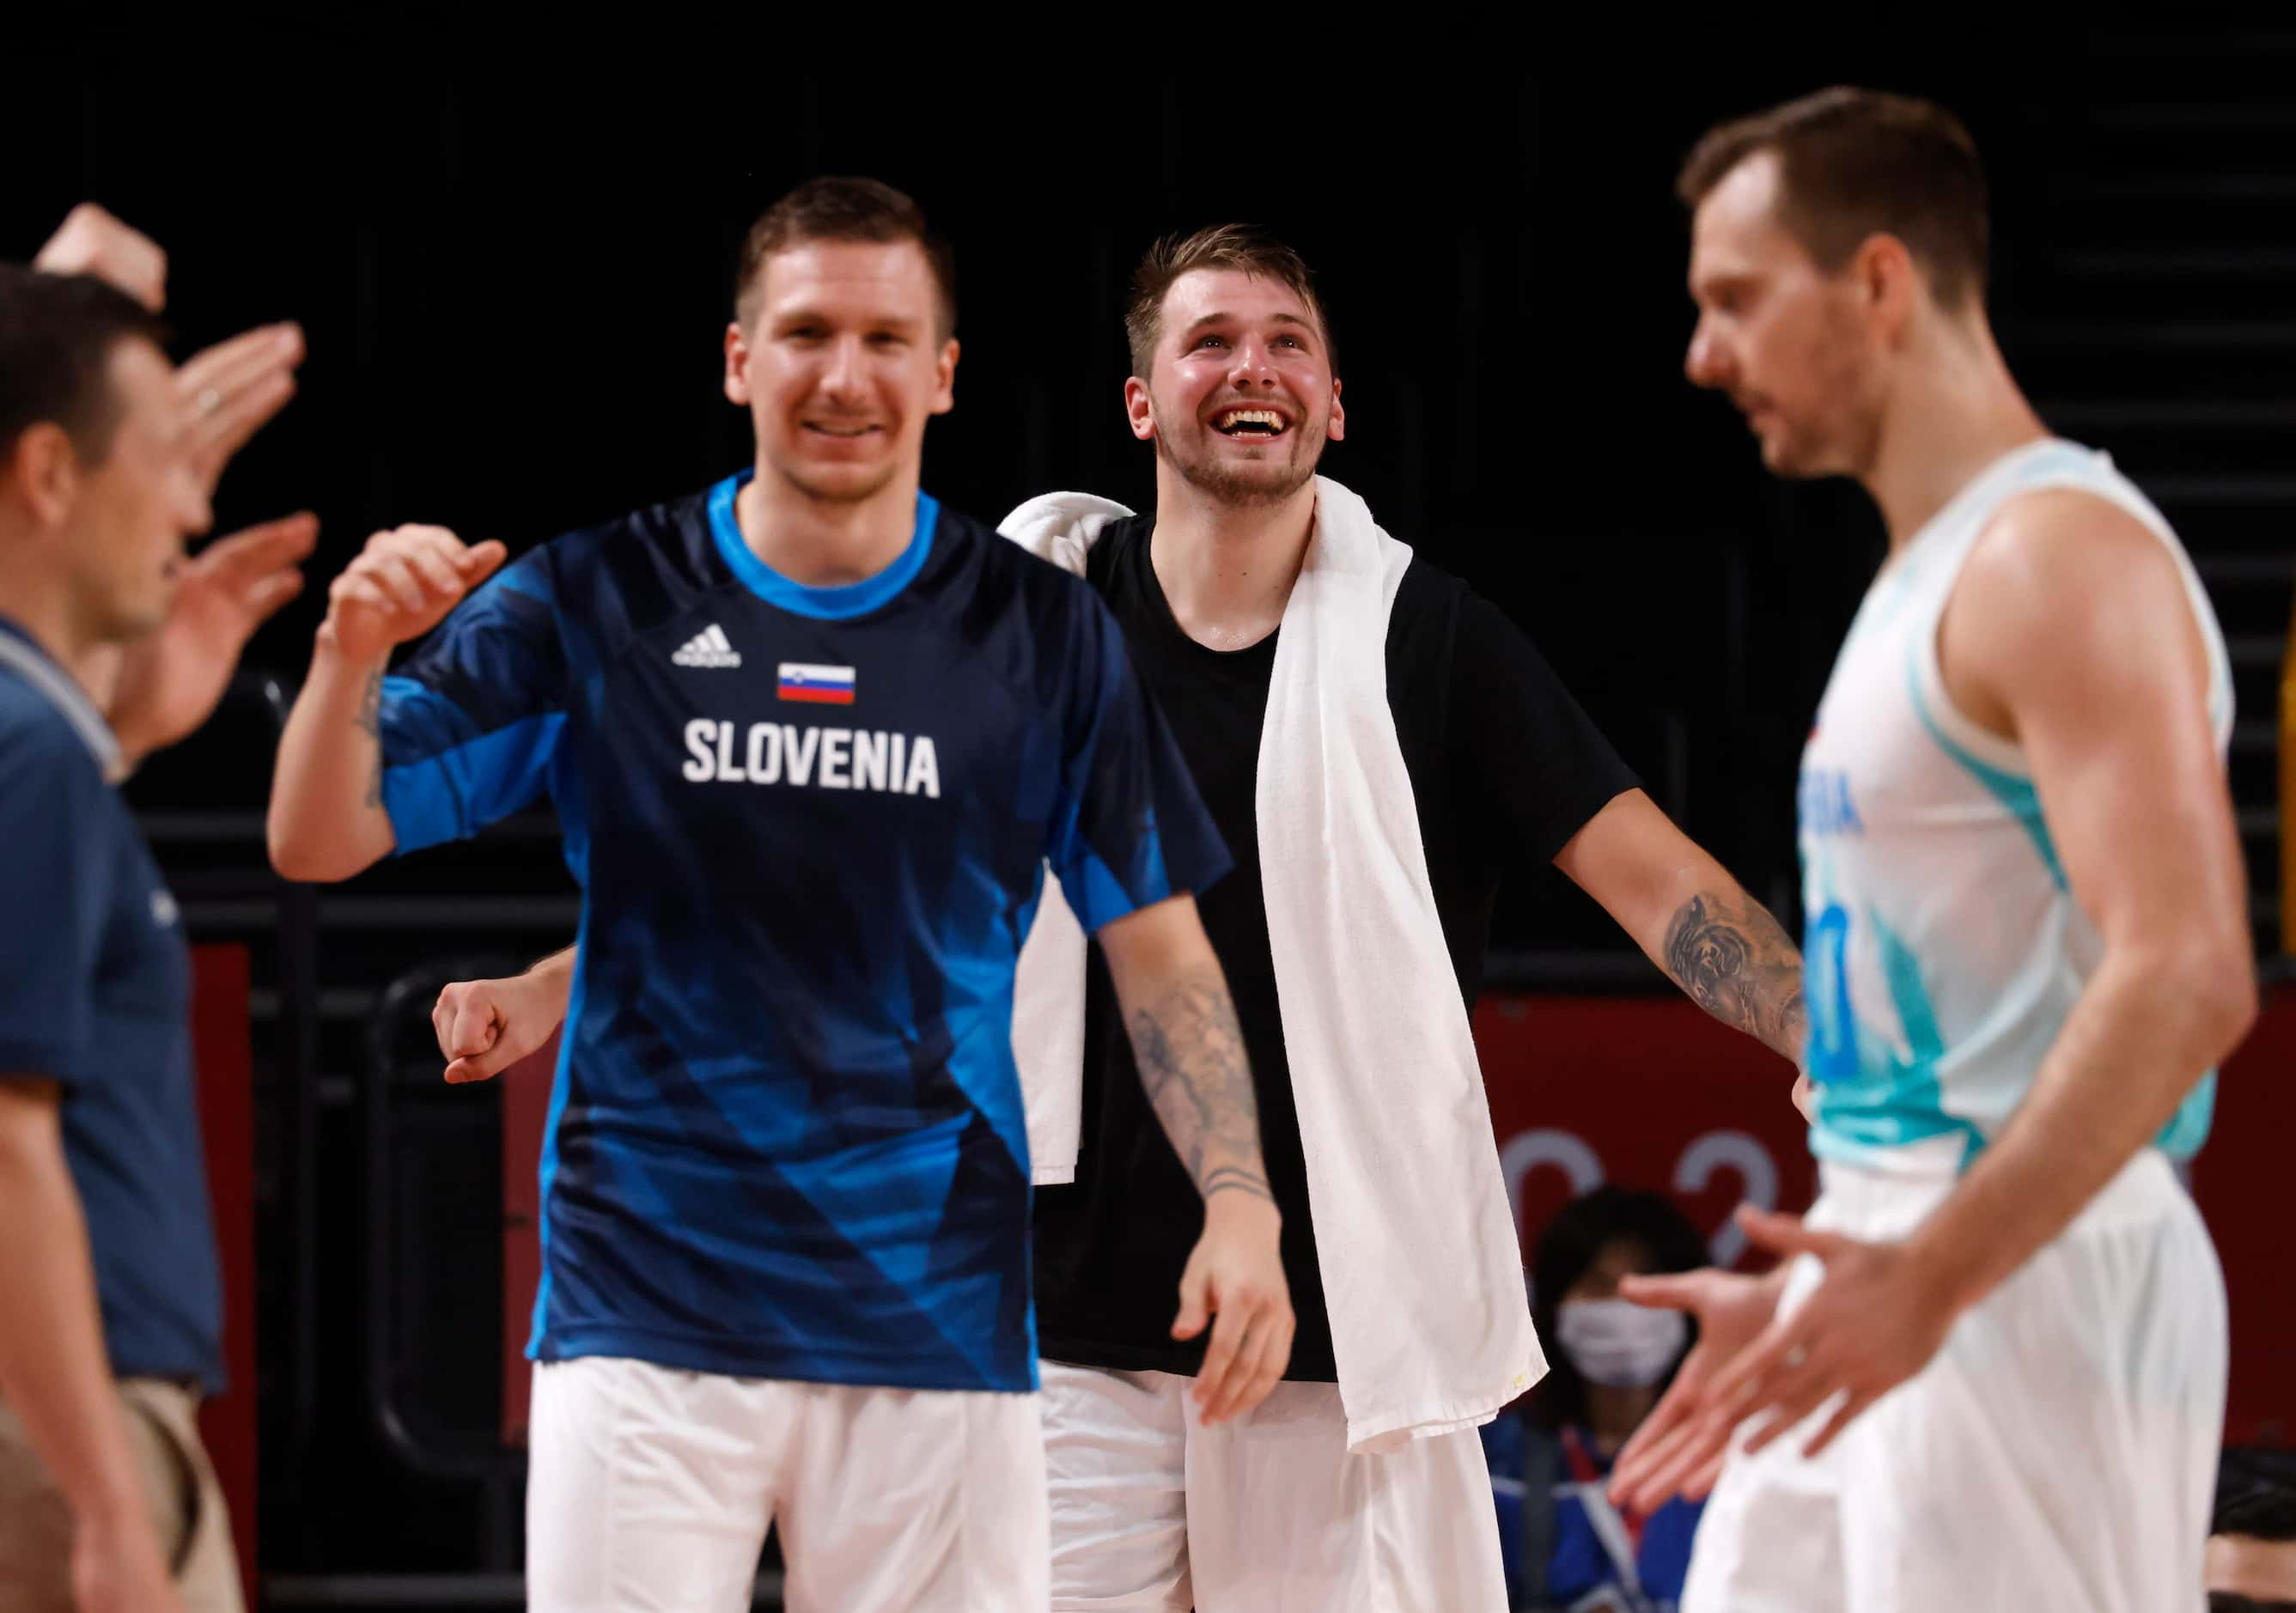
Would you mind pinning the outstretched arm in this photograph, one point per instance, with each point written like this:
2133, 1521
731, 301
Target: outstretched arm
327, 820
1190, 1049
1692, 920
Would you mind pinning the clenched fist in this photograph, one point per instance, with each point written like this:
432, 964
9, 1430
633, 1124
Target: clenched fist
402, 585
487, 1026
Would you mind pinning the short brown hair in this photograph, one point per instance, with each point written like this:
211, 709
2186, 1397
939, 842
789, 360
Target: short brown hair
843, 209
1222, 246
1856, 163
57, 336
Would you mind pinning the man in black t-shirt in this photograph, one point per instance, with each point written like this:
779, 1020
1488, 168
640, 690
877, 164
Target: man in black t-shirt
1304, 1503
1287, 1507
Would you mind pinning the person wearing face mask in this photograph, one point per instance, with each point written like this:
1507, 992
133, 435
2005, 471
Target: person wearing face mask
1567, 1545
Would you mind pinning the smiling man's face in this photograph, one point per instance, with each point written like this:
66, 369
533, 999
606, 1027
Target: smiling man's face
1242, 399
843, 364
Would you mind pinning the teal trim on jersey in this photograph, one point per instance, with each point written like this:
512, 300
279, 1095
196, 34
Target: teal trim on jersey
2012, 792
837, 604
1911, 998
1892, 1100
2188, 1127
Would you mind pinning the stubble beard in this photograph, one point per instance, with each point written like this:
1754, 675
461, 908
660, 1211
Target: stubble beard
1246, 487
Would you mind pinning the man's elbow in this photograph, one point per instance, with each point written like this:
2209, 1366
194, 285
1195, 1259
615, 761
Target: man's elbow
2239, 1006
292, 859
308, 856
2215, 986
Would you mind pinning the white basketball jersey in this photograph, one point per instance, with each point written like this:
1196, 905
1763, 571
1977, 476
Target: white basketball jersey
1942, 949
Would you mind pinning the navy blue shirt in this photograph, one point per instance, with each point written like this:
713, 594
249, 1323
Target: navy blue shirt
786, 1139
95, 994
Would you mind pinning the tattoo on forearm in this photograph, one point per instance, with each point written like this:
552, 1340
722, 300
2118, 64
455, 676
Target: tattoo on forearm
1190, 1049
1233, 1175
1735, 963
370, 721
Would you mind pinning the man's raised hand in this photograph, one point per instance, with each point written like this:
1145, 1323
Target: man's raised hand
231, 389
92, 242
401, 585
1680, 1447
168, 683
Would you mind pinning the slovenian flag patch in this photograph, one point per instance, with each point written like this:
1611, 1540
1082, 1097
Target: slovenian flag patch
818, 685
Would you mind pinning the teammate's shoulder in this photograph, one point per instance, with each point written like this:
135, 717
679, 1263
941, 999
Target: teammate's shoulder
1121, 537
1435, 609
28, 714
674, 529
2060, 582
2054, 542
1096, 535
1427, 586
959, 534
624, 574
1004, 566
37, 741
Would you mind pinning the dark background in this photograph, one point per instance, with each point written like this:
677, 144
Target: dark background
514, 277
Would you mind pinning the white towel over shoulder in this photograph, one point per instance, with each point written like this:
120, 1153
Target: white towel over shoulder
1422, 1273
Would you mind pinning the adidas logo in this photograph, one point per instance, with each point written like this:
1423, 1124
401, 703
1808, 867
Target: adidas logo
708, 648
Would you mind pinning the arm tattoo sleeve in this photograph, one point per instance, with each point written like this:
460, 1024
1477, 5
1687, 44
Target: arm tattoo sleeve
1729, 955
370, 721
1190, 1049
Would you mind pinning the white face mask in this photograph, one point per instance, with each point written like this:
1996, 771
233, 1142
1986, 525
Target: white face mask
1618, 1343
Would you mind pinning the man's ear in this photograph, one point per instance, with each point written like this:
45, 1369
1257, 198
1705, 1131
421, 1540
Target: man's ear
1139, 410
737, 365
44, 469
944, 398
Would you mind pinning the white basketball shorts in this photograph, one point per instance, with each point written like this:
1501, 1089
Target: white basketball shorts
1266, 1513
2059, 1452
651, 1490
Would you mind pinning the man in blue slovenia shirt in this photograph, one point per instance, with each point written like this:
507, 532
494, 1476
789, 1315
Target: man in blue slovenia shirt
811, 738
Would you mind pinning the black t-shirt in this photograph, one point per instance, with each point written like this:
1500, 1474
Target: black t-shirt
1504, 766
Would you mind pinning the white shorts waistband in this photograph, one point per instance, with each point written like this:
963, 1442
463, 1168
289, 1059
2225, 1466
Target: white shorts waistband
1888, 1200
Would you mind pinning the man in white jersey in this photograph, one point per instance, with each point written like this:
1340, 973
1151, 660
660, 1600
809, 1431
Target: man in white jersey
1991, 1374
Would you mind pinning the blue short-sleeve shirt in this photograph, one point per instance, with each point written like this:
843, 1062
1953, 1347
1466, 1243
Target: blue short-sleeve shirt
96, 995
786, 1138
